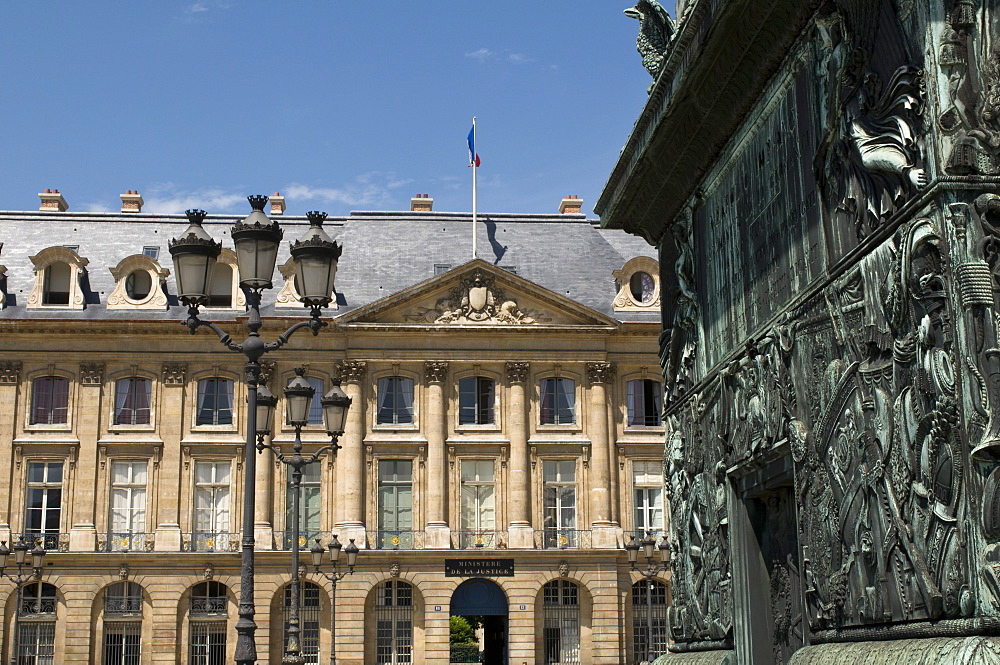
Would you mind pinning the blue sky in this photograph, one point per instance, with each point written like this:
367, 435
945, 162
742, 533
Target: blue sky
338, 105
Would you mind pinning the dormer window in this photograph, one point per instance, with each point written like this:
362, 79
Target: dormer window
57, 279
139, 284
638, 284
220, 293
57, 282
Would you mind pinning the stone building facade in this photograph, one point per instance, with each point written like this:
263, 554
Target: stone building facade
503, 442
821, 182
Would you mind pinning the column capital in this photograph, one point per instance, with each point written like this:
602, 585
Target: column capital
92, 374
436, 371
517, 372
173, 374
10, 371
353, 371
600, 372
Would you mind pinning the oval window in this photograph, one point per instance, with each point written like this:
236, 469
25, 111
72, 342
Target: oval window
642, 287
138, 284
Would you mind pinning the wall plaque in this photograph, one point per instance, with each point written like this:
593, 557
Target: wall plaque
479, 568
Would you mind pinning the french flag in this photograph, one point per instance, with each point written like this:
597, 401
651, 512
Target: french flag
473, 155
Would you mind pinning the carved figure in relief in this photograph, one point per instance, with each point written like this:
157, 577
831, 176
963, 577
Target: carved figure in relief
476, 300
682, 343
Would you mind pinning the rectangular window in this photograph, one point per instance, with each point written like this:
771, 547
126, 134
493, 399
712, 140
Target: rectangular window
122, 642
395, 401
43, 503
36, 643
645, 402
49, 400
132, 397
128, 500
440, 268
215, 402
309, 506
558, 406
151, 251
478, 503
315, 416
395, 503
647, 480
211, 505
559, 496
475, 401
208, 643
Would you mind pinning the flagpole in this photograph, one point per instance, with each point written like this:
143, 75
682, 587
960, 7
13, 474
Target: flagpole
474, 220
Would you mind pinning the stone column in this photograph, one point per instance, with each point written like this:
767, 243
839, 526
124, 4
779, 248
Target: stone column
10, 371
436, 428
519, 532
351, 465
83, 533
603, 531
170, 424
263, 514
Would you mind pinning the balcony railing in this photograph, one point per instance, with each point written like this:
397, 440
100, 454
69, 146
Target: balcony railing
395, 540
640, 535
51, 542
125, 542
283, 539
206, 541
474, 540
563, 539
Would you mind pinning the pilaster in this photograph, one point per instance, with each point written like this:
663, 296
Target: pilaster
83, 534
171, 422
604, 535
351, 479
519, 532
437, 533
10, 372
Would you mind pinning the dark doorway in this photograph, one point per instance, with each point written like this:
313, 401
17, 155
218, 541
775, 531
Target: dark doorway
484, 603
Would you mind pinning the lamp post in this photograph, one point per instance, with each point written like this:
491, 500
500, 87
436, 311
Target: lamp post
256, 239
299, 395
21, 551
334, 577
648, 546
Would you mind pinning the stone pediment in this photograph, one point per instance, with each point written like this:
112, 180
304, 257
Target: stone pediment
477, 294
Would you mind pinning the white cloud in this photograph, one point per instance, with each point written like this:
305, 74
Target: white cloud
96, 207
481, 55
519, 59
370, 189
198, 7
167, 199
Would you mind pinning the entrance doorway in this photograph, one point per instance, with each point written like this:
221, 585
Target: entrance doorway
483, 603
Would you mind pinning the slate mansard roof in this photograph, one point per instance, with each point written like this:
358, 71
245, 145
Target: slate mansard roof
383, 254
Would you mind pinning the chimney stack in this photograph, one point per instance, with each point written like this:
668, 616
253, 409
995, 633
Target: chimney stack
52, 201
277, 204
131, 201
421, 203
571, 205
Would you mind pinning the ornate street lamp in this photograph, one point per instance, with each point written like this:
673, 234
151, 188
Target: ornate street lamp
256, 239
298, 395
20, 578
648, 547
317, 559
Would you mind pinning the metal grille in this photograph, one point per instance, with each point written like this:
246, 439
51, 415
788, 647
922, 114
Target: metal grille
123, 599
561, 622
122, 640
394, 624
36, 643
308, 620
396, 540
640, 626
208, 643
209, 599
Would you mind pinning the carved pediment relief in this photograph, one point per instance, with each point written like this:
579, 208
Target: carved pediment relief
477, 294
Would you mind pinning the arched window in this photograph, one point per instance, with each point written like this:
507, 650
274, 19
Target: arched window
220, 292
561, 622
132, 398
49, 400
394, 623
395, 400
207, 623
649, 601
36, 619
122, 624
475, 401
308, 620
